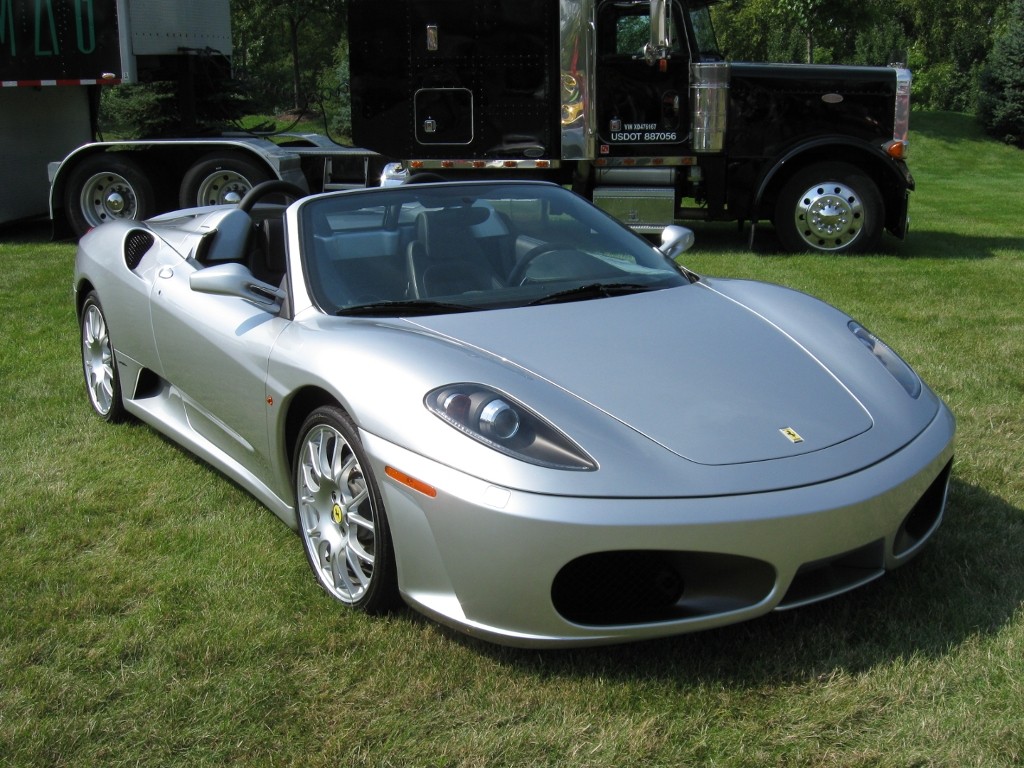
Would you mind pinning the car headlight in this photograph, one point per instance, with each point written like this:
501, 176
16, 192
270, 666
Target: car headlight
893, 363
501, 423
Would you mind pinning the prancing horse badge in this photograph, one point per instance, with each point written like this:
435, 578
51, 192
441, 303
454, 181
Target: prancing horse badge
791, 435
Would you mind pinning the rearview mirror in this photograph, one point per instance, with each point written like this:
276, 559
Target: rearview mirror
675, 240
236, 280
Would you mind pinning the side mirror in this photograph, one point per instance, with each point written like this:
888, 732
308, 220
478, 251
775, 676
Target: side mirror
675, 240
236, 280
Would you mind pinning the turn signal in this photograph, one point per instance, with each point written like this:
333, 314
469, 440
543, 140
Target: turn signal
411, 482
897, 150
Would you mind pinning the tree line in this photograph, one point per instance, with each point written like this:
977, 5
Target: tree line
965, 56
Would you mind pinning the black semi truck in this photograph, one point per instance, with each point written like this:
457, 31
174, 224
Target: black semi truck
631, 103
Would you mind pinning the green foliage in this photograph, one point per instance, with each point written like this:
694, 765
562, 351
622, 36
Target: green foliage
1001, 106
335, 90
815, 31
951, 40
282, 48
747, 31
154, 110
944, 42
882, 43
136, 111
941, 85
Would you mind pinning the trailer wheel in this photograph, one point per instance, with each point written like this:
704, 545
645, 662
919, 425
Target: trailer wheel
104, 188
831, 207
220, 178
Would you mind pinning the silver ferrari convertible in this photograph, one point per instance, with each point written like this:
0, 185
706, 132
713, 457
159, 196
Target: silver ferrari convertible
498, 404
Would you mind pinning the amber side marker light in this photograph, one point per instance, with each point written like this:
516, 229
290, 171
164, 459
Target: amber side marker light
897, 150
411, 482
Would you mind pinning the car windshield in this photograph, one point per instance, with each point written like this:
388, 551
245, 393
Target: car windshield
439, 248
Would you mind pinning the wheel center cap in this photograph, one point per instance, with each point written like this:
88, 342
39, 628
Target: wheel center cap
337, 514
115, 202
831, 210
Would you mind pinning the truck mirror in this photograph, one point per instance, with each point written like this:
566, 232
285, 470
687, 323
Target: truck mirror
660, 45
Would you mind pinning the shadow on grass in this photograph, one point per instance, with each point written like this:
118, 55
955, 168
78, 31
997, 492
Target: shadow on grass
968, 581
927, 244
26, 232
919, 244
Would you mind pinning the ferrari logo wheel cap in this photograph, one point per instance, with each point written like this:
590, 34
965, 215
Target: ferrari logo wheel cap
337, 514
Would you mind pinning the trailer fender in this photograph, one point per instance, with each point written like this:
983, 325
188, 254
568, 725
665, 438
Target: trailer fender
152, 174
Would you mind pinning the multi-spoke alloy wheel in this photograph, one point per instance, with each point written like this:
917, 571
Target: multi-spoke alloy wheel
98, 364
341, 517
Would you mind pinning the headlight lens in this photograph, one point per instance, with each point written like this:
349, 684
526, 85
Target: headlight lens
501, 423
893, 363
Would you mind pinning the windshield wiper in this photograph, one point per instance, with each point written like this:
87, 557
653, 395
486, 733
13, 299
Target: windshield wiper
593, 291
404, 308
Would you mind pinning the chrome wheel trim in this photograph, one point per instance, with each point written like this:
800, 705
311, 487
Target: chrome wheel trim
108, 196
223, 187
336, 515
829, 216
97, 360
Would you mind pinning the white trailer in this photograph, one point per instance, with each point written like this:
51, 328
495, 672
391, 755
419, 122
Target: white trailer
56, 55
36, 125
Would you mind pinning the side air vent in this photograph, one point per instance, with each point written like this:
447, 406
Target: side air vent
135, 247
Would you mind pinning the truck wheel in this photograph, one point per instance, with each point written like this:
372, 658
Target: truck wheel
104, 188
220, 178
831, 207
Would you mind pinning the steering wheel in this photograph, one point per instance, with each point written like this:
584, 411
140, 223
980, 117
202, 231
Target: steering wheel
266, 188
518, 274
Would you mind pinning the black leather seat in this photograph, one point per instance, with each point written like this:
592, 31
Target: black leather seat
445, 259
267, 261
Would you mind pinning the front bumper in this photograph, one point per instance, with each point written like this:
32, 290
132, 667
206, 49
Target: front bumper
533, 570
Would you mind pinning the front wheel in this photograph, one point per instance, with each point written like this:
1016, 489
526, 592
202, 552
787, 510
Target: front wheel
102, 383
341, 517
830, 207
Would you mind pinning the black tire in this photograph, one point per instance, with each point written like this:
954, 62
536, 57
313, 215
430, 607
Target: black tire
830, 207
106, 187
341, 517
99, 366
220, 178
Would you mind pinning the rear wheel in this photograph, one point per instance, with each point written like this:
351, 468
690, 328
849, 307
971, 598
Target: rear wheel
99, 366
104, 188
341, 517
831, 207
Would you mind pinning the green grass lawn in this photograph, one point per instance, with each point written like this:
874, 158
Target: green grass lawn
153, 614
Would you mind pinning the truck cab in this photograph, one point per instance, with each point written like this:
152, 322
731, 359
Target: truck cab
632, 103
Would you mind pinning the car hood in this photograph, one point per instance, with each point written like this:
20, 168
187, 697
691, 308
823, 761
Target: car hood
692, 370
